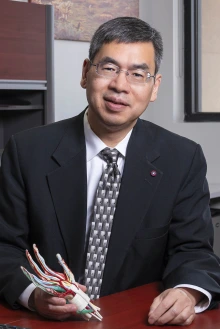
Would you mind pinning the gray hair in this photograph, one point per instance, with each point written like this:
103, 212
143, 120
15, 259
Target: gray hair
127, 30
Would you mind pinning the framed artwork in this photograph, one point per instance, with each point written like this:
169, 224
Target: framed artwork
201, 60
78, 19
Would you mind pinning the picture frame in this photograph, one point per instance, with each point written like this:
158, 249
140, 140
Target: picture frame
193, 77
77, 20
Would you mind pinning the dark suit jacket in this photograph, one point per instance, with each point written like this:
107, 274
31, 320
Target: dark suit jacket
162, 226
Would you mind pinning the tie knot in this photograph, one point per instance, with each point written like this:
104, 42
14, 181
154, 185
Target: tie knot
110, 155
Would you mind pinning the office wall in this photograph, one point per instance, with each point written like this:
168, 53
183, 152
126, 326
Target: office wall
167, 111
70, 98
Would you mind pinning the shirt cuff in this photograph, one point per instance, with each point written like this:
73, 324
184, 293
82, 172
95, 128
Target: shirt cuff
24, 297
204, 303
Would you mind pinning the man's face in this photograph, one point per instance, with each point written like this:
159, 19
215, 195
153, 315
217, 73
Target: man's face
115, 103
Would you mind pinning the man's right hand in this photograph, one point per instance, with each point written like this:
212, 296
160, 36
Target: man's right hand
52, 307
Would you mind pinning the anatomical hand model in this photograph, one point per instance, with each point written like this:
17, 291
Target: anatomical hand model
61, 285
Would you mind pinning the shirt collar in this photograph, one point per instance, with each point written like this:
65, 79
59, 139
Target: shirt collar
94, 145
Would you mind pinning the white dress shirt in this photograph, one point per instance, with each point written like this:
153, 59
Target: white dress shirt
95, 167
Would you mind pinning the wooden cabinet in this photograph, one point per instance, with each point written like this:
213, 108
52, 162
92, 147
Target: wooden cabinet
26, 67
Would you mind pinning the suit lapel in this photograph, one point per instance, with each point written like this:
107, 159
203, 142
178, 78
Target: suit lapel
68, 187
137, 190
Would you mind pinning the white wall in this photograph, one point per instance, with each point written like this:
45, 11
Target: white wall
70, 98
167, 111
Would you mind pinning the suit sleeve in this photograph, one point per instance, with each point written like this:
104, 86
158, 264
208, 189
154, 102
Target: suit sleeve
190, 257
14, 227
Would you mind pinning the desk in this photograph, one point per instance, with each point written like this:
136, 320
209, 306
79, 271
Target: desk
125, 310
214, 190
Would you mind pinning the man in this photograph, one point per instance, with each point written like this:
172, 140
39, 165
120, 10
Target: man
161, 226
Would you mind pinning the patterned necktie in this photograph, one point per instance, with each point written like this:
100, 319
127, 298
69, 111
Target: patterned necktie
105, 204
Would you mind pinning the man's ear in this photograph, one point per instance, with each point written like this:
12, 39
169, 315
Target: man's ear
156, 87
85, 69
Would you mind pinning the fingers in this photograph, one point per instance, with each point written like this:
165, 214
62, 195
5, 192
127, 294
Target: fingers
173, 306
46, 298
58, 312
52, 307
177, 317
189, 320
183, 319
161, 305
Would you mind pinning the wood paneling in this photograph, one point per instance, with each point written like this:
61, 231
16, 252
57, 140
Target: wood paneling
22, 41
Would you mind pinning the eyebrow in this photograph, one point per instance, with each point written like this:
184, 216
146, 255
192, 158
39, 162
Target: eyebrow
142, 66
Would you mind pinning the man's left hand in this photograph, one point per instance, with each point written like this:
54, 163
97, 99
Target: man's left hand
174, 306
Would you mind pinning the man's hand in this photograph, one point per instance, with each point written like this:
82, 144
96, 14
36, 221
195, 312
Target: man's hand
52, 307
174, 306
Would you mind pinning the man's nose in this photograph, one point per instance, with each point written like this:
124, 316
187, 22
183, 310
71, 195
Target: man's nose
120, 82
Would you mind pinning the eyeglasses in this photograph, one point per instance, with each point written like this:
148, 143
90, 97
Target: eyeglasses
111, 71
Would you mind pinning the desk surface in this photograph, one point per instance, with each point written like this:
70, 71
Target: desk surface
126, 310
214, 190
